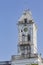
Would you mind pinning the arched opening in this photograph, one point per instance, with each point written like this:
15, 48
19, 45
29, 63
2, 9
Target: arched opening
25, 21
28, 37
26, 50
23, 37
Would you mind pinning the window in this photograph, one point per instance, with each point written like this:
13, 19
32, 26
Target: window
28, 37
25, 21
23, 35
22, 48
23, 54
24, 38
21, 31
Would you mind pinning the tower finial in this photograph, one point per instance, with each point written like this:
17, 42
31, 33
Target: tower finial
27, 11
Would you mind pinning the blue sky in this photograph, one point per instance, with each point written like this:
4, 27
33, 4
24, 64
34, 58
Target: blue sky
10, 11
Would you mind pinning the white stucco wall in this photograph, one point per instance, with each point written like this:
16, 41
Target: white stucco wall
25, 61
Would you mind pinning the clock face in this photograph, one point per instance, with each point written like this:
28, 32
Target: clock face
25, 29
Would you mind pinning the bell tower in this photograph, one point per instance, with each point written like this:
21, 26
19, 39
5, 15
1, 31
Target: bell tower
27, 34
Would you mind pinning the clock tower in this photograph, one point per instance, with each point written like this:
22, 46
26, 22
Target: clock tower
27, 34
27, 42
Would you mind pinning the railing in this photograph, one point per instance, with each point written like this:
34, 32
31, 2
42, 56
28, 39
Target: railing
18, 57
24, 42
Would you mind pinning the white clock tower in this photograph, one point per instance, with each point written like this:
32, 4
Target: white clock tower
27, 44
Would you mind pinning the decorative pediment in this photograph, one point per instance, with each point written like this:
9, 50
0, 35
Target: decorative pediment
26, 17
